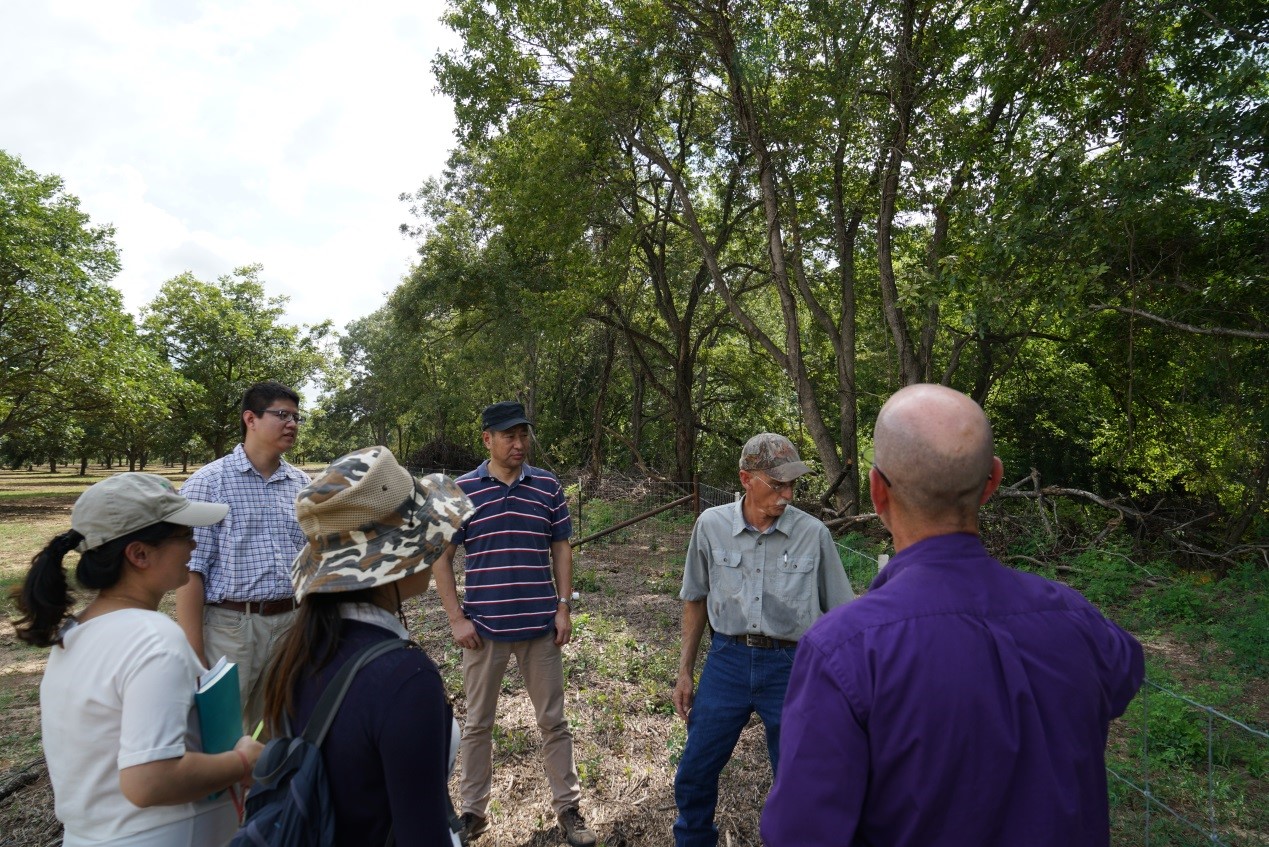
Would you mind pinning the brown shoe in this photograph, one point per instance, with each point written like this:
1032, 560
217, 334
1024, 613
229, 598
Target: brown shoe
474, 826
576, 833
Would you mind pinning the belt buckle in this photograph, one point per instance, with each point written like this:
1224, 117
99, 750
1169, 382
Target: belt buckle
763, 641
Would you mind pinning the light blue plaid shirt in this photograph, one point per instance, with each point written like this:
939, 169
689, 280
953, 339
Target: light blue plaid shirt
248, 555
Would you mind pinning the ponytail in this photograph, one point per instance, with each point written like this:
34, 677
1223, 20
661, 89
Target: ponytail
45, 597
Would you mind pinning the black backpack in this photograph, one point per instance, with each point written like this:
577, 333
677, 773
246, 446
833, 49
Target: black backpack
290, 804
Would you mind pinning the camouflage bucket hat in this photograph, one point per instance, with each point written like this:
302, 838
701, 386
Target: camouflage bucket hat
369, 522
773, 454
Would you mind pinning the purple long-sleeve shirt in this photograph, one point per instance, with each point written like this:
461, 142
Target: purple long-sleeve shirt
958, 702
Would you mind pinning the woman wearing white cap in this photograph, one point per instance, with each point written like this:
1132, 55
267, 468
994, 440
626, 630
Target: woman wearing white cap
118, 721
373, 533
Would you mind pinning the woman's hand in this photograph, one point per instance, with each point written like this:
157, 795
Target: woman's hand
249, 750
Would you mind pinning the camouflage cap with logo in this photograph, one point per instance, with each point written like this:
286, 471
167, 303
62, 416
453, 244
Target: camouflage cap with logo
775, 455
369, 522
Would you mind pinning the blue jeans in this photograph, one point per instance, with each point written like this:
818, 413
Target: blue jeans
736, 682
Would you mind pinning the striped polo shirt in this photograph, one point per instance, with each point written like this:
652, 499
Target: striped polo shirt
510, 594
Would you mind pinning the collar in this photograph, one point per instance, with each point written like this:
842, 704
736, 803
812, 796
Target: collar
739, 524
526, 472
953, 547
375, 615
238, 458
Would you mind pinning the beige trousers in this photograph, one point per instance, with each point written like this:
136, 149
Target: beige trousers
541, 666
250, 641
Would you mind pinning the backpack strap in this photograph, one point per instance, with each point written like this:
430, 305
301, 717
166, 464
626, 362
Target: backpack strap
327, 707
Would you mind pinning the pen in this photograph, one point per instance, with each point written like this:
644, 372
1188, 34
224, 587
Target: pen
259, 728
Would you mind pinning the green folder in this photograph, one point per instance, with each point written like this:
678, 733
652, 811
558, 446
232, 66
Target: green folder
219, 707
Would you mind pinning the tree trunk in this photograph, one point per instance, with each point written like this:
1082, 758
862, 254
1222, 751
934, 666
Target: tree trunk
597, 413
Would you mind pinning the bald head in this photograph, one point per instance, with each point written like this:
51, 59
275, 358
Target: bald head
934, 444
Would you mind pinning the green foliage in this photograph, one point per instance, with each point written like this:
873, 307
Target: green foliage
220, 337
859, 558
61, 325
1234, 614
586, 580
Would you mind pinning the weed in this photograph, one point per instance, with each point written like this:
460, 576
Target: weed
589, 770
587, 580
513, 742
667, 581
676, 741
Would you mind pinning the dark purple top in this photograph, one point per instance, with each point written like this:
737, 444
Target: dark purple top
958, 702
387, 752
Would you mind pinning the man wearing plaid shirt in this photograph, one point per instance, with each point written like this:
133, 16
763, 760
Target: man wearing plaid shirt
239, 599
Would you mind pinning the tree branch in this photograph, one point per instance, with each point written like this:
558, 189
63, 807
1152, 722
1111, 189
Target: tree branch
1223, 332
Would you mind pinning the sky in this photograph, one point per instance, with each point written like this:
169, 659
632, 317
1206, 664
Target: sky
214, 135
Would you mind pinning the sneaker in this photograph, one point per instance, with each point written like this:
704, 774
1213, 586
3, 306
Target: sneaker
576, 833
475, 825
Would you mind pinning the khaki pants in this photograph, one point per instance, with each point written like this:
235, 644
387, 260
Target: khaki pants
543, 671
250, 641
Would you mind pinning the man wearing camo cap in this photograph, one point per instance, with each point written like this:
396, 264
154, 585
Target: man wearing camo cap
760, 571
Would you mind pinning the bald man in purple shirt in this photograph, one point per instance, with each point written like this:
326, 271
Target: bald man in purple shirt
958, 702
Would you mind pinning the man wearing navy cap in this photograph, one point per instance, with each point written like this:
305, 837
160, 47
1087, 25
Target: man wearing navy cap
519, 581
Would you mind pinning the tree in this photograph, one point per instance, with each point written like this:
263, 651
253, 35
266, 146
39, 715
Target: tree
942, 171
57, 312
220, 337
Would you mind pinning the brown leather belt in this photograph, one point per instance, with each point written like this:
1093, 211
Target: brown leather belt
766, 642
257, 607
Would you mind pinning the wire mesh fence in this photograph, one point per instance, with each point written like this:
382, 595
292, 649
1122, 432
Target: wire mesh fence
1183, 773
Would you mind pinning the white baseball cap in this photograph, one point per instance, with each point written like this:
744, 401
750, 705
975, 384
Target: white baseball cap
126, 502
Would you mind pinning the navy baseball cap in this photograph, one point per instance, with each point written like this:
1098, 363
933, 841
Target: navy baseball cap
503, 415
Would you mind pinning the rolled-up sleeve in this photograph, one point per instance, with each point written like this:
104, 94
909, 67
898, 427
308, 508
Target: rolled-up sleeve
696, 565
206, 538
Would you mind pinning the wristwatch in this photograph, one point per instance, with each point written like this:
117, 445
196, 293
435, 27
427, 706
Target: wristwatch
565, 601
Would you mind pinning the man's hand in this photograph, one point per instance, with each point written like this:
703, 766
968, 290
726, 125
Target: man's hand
563, 625
465, 634
683, 695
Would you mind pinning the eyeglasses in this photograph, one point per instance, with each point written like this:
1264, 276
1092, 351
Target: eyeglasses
791, 487
183, 535
283, 415
867, 456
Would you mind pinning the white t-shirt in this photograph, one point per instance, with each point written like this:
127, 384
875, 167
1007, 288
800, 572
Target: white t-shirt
119, 692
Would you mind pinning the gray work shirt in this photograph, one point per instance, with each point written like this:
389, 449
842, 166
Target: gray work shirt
775, 583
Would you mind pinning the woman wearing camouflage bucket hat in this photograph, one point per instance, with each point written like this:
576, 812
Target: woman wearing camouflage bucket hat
373, 533
117, 715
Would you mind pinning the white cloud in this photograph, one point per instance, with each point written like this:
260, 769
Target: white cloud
215, 135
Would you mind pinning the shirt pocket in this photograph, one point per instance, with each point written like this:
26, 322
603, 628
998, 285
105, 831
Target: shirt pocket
792, 566
796, 588
727, 572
